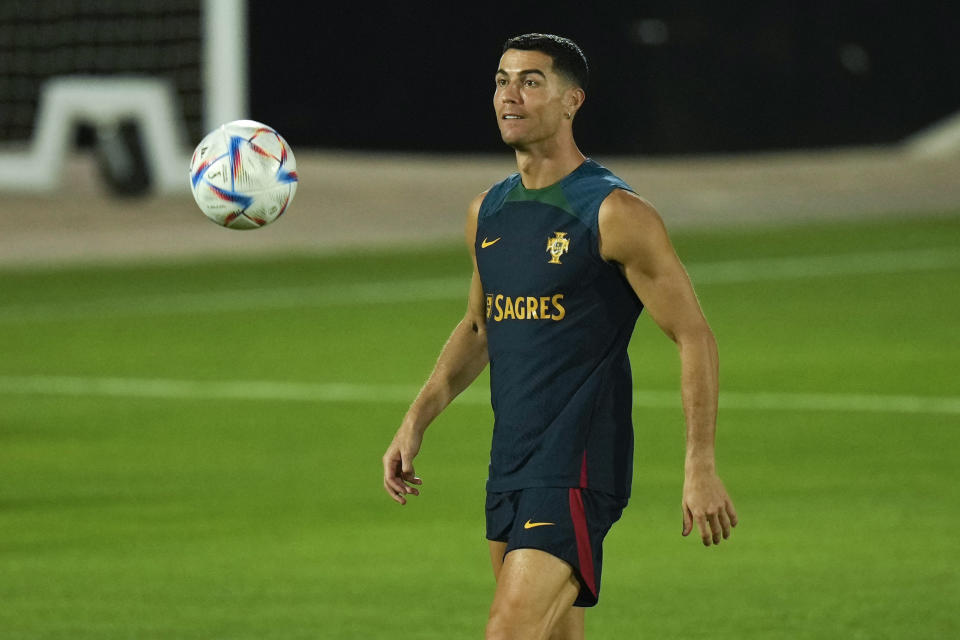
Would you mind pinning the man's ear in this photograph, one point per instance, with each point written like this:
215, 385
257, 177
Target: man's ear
573, 99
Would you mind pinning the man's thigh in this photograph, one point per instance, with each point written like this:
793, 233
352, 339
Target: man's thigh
570, 626
535, 595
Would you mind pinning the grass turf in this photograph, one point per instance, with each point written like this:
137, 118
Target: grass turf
149, 517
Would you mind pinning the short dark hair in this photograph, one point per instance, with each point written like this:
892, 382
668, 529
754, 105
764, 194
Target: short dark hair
568, 59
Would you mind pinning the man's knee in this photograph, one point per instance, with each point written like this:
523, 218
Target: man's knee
514, 615
510, 621
510, 617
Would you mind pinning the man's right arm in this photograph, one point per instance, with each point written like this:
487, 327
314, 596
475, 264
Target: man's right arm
462, 359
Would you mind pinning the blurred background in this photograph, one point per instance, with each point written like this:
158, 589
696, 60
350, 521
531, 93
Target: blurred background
667, 77
191, 418
673, 78
747, 111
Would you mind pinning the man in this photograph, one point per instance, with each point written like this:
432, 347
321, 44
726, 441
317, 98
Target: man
563, 252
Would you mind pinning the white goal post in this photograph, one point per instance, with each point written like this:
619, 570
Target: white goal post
224, 62
149, 99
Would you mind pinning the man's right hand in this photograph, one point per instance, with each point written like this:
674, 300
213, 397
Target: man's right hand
398, 473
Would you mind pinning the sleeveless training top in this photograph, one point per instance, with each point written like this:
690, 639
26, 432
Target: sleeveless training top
559, 318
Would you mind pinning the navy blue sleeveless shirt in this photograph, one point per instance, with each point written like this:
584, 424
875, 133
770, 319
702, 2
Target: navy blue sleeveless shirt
559, 318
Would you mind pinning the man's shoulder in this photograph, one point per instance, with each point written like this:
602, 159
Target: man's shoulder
588, 187
621, 203
593, 176
493, 198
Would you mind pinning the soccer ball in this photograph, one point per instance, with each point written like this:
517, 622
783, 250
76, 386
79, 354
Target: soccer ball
243, 175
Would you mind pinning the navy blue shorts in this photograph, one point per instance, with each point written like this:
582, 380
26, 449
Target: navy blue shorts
565, 522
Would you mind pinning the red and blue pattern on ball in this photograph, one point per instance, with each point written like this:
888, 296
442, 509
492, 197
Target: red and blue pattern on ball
224, 194
235, 160
244, 201
283, 175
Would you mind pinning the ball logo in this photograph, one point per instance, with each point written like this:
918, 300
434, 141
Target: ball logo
558, 245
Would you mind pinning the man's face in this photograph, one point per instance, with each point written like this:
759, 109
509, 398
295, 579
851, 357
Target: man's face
529, 98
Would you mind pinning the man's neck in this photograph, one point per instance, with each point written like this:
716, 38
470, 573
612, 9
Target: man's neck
539, 169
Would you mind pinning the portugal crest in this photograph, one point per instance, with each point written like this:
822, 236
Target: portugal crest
557, 246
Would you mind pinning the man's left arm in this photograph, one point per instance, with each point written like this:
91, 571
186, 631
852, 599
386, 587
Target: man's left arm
633, 236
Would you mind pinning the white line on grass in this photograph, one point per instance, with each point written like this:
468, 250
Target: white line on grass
735, 271
273, 390
244, 300
396, 291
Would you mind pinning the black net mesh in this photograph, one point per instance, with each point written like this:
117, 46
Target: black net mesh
40, 39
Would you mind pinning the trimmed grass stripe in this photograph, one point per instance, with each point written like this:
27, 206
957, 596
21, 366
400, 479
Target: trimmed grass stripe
420, 290
399, 393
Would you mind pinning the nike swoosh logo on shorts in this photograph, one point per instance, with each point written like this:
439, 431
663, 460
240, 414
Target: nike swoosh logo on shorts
531, 525
486, 243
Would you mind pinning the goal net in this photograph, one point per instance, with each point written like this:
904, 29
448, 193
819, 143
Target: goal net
99, 60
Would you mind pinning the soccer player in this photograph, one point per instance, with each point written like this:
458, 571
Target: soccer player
565, 257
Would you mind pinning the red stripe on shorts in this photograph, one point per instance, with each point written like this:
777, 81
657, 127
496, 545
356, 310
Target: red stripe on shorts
584, 551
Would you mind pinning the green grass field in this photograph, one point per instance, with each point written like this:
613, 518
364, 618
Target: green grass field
193, 450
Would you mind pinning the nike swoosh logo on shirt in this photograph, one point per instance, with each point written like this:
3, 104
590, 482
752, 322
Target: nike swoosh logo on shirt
531, 525
486, 243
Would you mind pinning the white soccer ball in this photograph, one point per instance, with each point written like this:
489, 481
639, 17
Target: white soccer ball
243, 175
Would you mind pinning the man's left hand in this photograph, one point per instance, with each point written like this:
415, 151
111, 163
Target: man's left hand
705, 501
